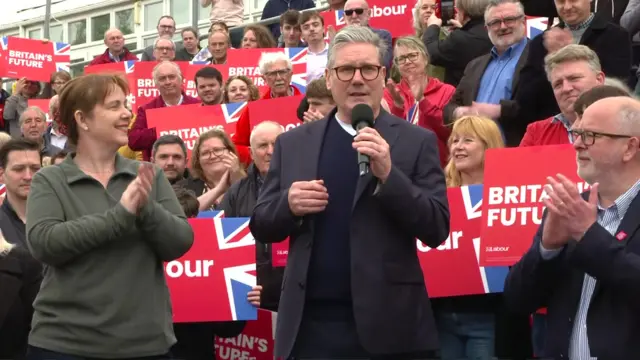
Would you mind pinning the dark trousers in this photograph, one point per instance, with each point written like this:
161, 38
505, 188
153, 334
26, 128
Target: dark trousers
335, 339
36, 353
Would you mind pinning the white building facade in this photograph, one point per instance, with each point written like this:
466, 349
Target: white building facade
82, 23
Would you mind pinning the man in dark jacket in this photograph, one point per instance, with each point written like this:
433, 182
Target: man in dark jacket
464, 44
578, 25
240, 200
275, 8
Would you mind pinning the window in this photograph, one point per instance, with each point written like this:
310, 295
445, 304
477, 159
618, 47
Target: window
203, 13
78, 32
133, 45
124, 21
76, 70
149, 42
35, 34
152, 12
181, 11
99, 24
55, 33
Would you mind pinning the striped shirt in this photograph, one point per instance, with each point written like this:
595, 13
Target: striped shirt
610, 219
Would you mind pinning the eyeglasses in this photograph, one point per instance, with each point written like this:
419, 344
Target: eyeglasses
347, 72
508, 21
350, 12
275, 73
164, 48
412, 57
588, 138
217, 152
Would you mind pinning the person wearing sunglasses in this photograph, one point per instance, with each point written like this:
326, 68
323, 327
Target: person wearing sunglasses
357, 12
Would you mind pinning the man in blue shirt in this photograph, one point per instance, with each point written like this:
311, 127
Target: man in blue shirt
490, 81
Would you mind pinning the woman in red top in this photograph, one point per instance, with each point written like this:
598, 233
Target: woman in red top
418, 98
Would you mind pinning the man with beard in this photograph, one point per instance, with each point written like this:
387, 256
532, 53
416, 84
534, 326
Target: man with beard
241, 198
209, 85
20, 159
490, 82
170, 154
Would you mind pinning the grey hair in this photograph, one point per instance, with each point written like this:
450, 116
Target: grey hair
617, 83
54, 103
32, 108
572, 52
355, 34
155, 43
263, 124
269, 58
157, 68
495, 3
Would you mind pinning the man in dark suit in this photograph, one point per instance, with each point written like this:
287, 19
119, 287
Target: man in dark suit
353, 287
490, 82
584, 264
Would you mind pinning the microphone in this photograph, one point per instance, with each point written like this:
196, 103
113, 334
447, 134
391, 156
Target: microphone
361, 117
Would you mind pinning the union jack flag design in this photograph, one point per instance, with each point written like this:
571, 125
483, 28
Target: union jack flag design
61, 55
129, 66
298, 57
211, 214
493, 277
231, 112
3, 190
5, 43
234, 233
536, 26
340, 18
412, 115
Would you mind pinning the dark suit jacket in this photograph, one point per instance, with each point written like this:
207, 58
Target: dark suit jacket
20, 277
612, 324
609, 41
392, 309
467, 91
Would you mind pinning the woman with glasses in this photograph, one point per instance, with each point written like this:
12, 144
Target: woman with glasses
214, 167
418, 98
55, 85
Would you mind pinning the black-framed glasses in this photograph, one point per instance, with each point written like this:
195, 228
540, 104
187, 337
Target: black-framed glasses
507, 21
588, 138
275, 73
403, 58
367, 72
209, 154
350, 12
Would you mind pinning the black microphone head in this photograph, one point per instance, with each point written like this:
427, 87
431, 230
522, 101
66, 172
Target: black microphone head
361, 116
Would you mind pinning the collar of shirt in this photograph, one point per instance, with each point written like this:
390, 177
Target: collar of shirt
623, 201
347, 127
511, 51
583, 25
321, 52
563, 120
115, 58
57, 134
179, 102
291, 92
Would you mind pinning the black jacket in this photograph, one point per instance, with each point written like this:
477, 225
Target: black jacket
458, 49
20, 277
610, 42
239, 201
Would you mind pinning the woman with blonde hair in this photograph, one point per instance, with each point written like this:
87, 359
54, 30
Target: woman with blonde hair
466, 324
418, 98
20, 277
214, 167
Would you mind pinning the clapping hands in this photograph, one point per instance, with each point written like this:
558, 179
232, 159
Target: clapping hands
136, 195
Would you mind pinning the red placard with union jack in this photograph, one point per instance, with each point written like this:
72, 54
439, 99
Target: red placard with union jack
212, 280
194, 120
125, 68
34, 59
245, 62
281, 110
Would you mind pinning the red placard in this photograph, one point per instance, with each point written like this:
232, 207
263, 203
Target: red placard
34, 59
189, 121
281, 110
453, 268
514, 188
212, 280
279, 253
392, 15
245, 62
43, 104
256, 341
125, 68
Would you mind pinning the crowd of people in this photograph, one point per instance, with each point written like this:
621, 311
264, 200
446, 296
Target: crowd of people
95, 201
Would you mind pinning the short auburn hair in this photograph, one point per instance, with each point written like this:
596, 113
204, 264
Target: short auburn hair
317, 89
83, 94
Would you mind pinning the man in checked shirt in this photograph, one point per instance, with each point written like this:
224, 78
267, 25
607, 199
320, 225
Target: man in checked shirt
584, 264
